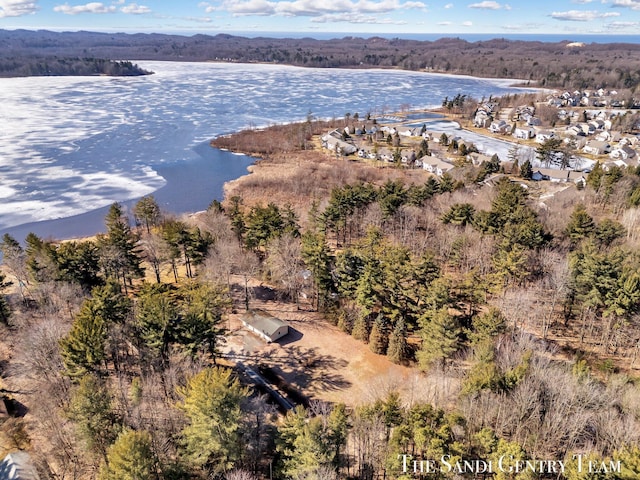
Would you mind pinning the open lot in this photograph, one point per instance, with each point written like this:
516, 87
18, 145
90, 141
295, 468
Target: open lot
322, 362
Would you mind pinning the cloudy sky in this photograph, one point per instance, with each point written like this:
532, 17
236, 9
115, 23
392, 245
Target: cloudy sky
348, 16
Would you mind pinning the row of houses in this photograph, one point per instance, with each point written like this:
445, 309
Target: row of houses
599, 98
335, 141
593, 135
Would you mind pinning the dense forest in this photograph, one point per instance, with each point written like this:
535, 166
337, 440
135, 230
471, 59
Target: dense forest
547, 64
35, 66
520, 308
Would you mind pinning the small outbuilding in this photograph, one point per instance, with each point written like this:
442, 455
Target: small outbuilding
265, 325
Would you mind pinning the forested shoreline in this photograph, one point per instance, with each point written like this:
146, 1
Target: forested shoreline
40, 66
553, 65
518, 309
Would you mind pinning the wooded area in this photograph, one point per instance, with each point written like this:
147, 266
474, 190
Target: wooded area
38, 66
524, 308
545, 64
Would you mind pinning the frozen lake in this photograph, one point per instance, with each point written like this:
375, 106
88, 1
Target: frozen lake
73, 145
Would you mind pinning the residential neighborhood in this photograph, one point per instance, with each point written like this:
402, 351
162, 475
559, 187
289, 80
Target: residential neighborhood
561, 134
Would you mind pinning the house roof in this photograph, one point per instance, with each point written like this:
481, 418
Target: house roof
436, 162
598, 144
18, 466
564, 175
263, 322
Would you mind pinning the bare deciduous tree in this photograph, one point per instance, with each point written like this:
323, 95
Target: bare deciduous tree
285, 264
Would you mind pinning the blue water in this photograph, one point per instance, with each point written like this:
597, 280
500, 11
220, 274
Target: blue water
74, 145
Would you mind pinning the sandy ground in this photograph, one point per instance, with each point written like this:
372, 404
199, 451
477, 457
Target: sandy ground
316, 357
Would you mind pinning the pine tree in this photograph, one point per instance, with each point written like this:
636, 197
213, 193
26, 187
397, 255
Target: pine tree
200, 328
131, 457
596, 177
608, 231
119, 251
5, 311
92, 411
581, 224
398, 350
459, 214
83, 348
361, 328
308, 445
440, 339
109, 301
157, 319
487, 325
211, 403
526, 171
513, 155
317, 257
379, 337
147, 210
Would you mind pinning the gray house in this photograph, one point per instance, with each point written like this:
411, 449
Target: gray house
265, 325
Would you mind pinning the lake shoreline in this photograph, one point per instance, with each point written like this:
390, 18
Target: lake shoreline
147, 140
181, 177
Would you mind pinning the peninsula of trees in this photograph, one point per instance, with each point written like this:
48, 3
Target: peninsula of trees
563, 64
39, 66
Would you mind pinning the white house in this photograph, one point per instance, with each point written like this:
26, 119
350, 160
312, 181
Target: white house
499, 127
555, 175
264, 325
524, 132
435, 165
623, 153
482, 119
333, 141
597, 148
544, 135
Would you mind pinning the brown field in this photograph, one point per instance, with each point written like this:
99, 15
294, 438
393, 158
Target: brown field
324, 363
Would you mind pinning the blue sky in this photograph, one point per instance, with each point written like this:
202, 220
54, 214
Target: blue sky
347, 16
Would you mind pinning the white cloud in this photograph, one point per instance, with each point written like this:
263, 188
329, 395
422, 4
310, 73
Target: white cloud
488, 5
93, 7
356, 19
445, 23
582, 15
135, 9
246, 7
17, 8
448, 5
467, 24
197, 19
632, 4
329, 9
622, 25
208, 8
582, 2
522, 27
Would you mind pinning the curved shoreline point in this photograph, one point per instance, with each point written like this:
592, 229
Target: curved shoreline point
414, 75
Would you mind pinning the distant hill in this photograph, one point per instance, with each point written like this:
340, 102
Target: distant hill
559, 64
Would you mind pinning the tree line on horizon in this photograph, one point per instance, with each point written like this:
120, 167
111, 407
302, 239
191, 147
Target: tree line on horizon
552, 65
